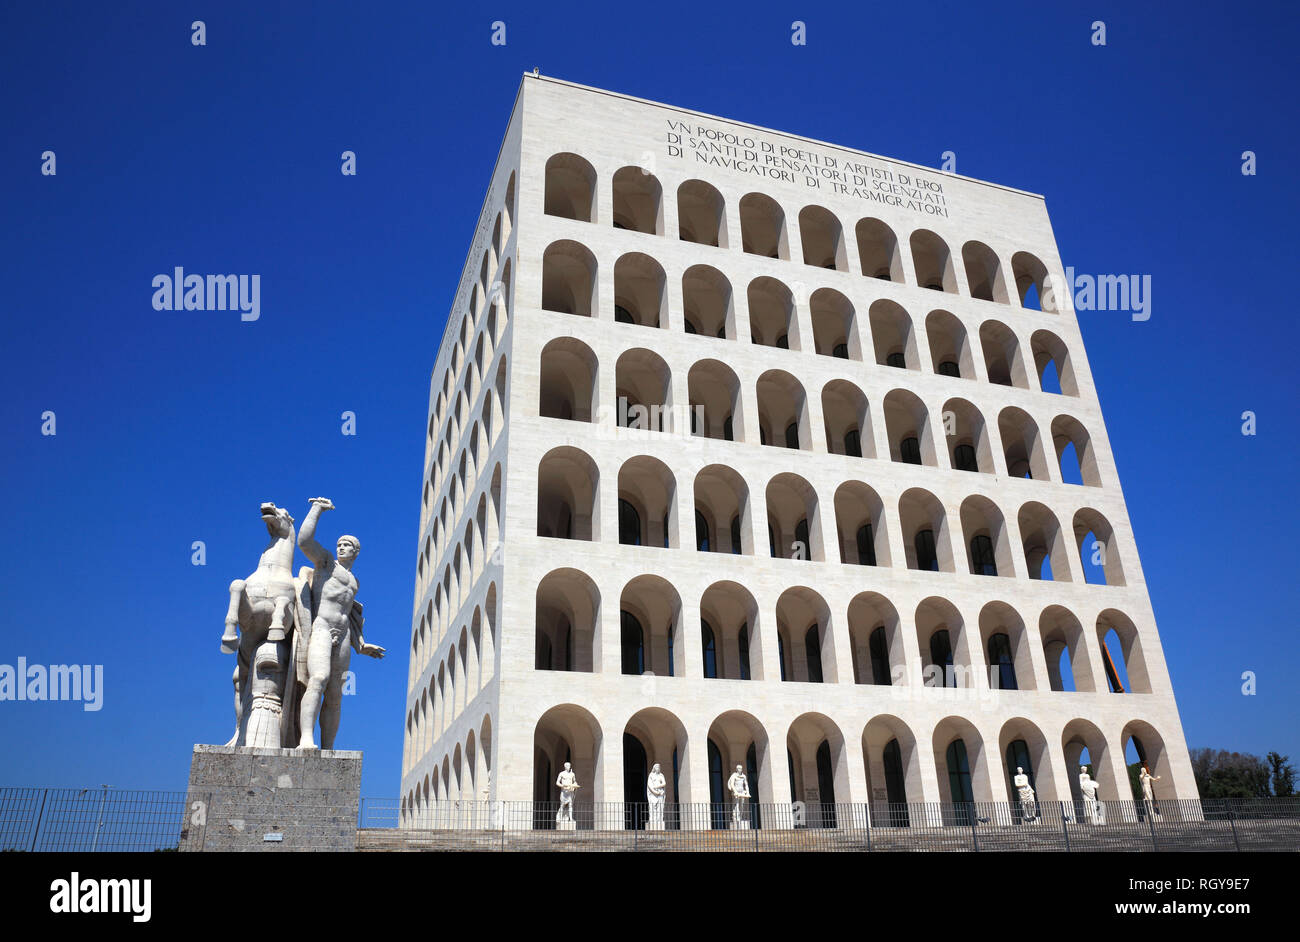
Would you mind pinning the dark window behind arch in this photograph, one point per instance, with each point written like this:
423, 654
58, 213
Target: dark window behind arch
963, 458
701, 533
949, 368
1000, 657
853, 443
812, 646
792, 435
909, 449
710, 650
629, 524
926, 557
941, 656
981, 556
743, 641
633, 644
879, 644
735, 535
866, 546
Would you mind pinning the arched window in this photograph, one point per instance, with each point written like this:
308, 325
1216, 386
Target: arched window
622, 315
701, 533
780, 654
801, 537
633, 639
813, 651
629, 524
671, 647
959, 783
729, 429
866, 546
743, 643
840, 350
710, 650
949, 368
751, 771
691, 328
1001, 658
895, 787
941, 656
853, 443
897, 359
981, 556
963, 458
635, 770
909, 450
543, 661
826, 785
926, 556
879, 643
719, 816
792, 435
735, 535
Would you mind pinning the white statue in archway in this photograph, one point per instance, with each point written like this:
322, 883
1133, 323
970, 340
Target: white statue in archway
1091, 806
1028, 803
1148, 795
655, 788
568, 784
738, 785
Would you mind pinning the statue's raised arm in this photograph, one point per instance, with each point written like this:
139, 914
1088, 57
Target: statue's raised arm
307, 535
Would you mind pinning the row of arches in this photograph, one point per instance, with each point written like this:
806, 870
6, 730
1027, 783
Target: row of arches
823, 240
466, 667
887, 764
804, 641
918, 533
466, 542
783, 414
773, 316
464, 773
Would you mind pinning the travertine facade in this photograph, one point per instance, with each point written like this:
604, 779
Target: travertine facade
864, 346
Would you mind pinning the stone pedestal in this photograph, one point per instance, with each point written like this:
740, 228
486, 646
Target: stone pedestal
566, 825
740, 825
248, 798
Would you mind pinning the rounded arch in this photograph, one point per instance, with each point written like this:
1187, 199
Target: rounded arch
715, 400
1076, 456
969, 445
932, 261
984, 273
1099, 556
1145, 747
823, 239
640, 291
1022, 445
566, 621
892, 335
567, 733
638, 201
569, 278
878, 251
762, 226
907, 425
1020, 741
1121, 652
568, 483
847, 418
1034, 285
1052, 363
1078, 736
643, 386
962, 765
782, 411
740, 739
723, 515
660, 738
944, 644
568, 388
1003, 360
860, 525
1046, 556
1004, 640
925, 531
708, 303
654, 647
875, 635
570, 188
835, 325
806, 637
647, 486
793, 520
739, 631
893, 765
984, 532
819, 766
701, 214
772, 320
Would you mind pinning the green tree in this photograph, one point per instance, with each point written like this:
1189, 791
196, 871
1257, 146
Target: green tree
1283, 776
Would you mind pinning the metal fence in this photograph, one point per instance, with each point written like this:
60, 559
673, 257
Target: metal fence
1189, 824
90, 819
108, 819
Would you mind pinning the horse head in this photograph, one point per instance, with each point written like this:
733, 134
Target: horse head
278, 522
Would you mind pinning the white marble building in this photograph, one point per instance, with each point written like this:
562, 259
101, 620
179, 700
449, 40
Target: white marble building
898, 461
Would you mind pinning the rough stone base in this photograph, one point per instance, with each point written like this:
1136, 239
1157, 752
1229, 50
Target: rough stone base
241, 796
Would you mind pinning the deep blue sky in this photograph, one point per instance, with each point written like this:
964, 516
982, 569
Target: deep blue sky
173, 426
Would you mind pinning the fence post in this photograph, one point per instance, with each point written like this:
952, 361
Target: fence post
866, 810
1065, 827
40, 813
